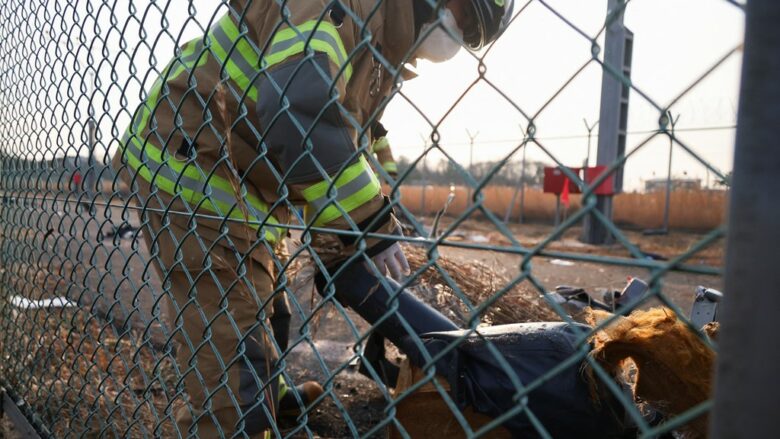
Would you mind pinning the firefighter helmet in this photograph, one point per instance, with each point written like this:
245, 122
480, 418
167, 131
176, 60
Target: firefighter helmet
490, 19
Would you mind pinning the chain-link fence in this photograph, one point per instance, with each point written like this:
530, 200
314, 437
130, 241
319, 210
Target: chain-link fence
195, 239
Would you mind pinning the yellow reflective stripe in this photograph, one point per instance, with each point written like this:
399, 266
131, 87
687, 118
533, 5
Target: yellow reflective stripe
356, 186
243, 62
282, 388
192, 51
320, 189
390, 166
145, 109
249, 53
292, 41
175, 178
360, 198
175, 181
380, 144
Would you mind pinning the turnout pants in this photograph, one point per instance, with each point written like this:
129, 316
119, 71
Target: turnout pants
219, 314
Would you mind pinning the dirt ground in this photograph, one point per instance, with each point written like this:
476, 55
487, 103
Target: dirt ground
678, 286
360, 400
354, 405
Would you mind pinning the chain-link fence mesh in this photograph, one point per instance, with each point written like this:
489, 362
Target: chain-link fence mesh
193, 232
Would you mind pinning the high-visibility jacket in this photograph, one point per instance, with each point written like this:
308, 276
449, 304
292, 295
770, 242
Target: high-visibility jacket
272, 106
381, 148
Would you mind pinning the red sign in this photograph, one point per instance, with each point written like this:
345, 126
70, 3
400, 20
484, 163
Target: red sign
554, 179
607, 187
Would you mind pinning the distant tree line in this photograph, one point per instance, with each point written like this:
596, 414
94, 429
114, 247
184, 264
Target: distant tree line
444, 172
49, 170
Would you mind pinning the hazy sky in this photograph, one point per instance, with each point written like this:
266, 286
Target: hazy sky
675, 42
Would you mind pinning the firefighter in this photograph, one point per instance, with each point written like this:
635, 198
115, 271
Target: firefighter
272, 108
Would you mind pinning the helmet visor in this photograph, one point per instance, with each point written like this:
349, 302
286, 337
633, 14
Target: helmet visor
473, 31
488, 20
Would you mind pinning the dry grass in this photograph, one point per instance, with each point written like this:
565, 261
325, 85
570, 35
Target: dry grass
81, 377
673, 365
690, 210
479, 283
476, 281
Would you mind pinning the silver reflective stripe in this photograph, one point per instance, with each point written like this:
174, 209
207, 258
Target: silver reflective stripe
189, 60
164, 171
216, 194
342, 193
304, 36
235, 56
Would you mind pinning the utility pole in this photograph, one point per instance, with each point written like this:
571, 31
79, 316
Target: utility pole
613, 116
472, 137
672, 123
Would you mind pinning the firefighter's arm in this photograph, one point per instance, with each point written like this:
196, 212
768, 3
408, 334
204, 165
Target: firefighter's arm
381, 147
308, 132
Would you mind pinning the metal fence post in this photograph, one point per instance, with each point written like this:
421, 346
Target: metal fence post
90, 177
613, 115
472, 137
424, 175
590, 134
747, 381
668, 201
520, 188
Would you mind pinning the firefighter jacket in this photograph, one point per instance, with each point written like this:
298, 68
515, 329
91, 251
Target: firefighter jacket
381, 148
272, 106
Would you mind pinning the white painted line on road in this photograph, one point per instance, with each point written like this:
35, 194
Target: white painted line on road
56, 302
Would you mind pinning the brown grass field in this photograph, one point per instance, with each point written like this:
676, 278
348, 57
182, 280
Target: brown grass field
690, 210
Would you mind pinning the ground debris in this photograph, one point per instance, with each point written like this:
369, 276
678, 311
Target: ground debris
673, 364
478, 283
84, 376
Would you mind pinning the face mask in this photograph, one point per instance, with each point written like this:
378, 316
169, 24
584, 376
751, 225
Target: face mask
439, 46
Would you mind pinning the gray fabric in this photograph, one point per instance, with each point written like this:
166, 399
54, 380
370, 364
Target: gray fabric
309, 120
254, 377
280, 321
564, 403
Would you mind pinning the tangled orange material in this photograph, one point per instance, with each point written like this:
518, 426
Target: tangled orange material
674, 365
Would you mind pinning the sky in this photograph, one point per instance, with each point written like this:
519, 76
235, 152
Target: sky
675, 43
